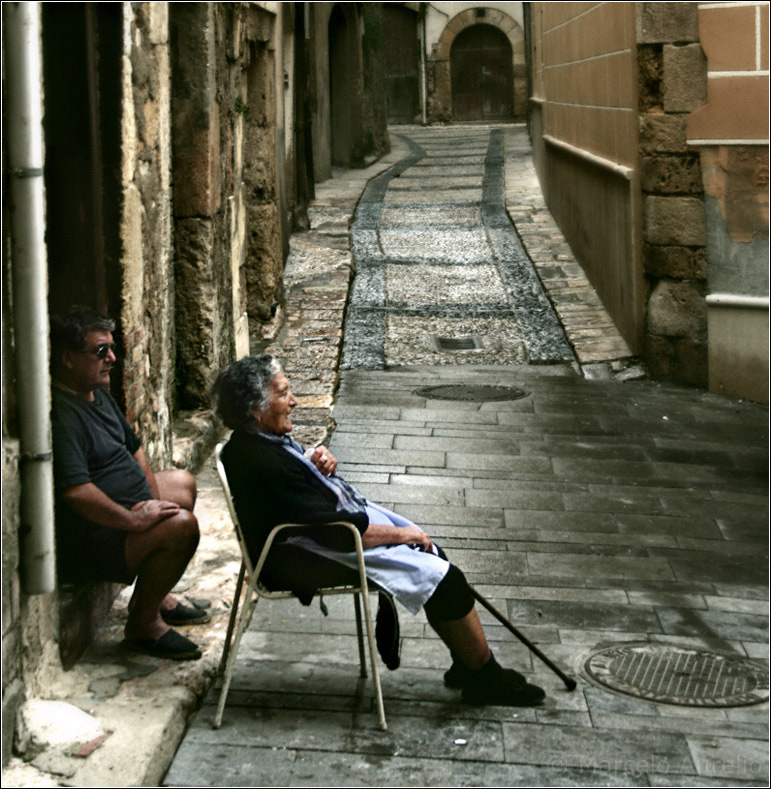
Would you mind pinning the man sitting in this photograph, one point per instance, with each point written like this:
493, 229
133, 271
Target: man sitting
116, 520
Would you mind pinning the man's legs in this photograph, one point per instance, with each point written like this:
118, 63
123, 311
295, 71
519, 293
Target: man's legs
160, 555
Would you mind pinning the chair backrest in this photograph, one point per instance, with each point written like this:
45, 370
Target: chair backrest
231, 507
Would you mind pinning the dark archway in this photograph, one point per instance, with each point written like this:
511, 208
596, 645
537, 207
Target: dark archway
342, 65
482, 75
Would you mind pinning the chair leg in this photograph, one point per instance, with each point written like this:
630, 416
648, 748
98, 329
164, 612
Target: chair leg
232, 618
373, 659
360, 636
246, 614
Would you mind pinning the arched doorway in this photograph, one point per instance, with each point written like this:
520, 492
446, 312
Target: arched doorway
342, 64
482, 76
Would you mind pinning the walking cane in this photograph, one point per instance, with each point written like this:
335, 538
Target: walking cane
570, 684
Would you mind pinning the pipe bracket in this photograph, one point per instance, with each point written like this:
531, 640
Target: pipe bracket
28, 172
39, 457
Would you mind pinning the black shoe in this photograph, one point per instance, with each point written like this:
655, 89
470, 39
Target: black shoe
387, 631
493, 684
458, 675
170, 645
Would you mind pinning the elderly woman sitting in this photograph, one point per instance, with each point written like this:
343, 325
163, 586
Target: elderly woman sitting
275, 480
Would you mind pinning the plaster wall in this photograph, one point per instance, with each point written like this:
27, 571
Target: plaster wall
730, 132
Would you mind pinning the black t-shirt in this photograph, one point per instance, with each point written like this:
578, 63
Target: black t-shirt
93, 442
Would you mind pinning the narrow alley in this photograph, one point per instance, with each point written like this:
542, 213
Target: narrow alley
513, 259
441, 274
599, 514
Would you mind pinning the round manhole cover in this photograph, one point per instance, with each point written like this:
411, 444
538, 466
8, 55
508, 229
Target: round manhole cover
475, 393
680, 675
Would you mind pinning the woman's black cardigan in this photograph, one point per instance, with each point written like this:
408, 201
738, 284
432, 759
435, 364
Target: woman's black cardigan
269, 487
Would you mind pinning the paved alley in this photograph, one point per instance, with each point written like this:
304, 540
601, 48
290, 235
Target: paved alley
617, 522
600, 516
441, 275
621, 523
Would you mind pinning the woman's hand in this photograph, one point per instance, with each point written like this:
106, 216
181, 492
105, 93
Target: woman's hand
324, 460
382, 534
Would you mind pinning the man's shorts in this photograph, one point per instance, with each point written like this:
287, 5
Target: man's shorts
88, 552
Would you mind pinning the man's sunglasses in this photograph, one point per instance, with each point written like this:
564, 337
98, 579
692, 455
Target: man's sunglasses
101, 350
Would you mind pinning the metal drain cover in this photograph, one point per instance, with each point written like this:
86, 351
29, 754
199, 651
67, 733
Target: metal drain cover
680, 675
475, 393
458, 343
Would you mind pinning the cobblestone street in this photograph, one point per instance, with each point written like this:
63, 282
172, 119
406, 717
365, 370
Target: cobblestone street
442, 277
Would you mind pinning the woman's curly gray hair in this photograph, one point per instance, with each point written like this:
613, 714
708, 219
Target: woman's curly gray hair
241, 386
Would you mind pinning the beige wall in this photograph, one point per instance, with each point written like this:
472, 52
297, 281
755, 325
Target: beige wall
584, 118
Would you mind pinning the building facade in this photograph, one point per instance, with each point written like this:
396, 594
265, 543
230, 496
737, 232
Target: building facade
455, 62
650, 134
157, 157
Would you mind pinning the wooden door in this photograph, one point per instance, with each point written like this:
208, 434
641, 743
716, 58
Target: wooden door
401, 57
482, 75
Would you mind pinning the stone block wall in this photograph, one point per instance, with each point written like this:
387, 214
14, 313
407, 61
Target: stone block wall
613, 85
230, 234
147, 287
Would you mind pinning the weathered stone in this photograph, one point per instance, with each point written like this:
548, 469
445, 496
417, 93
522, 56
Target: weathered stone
667, 22
685, 78
650, 71
264, 261
675, 220
56, 724
677, 309
671, 174
675, 262
677, 359
662, 133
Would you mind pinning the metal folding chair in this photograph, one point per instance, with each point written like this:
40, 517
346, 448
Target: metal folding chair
256, 590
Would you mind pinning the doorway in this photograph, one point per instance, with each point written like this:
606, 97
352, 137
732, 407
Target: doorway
482, 75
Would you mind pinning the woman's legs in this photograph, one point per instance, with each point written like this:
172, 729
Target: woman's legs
450, 611
465, 639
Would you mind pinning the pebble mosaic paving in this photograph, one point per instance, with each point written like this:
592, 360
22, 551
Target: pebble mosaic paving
437, 258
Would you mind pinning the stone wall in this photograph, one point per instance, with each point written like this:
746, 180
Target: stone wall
147, 282
613, 86
349, 124
229, 234
672, 84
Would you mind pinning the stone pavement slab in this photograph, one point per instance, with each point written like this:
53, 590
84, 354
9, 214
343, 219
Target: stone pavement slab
586, 552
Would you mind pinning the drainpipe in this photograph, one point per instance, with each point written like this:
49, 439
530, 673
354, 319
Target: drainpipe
24, 136
423, 74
